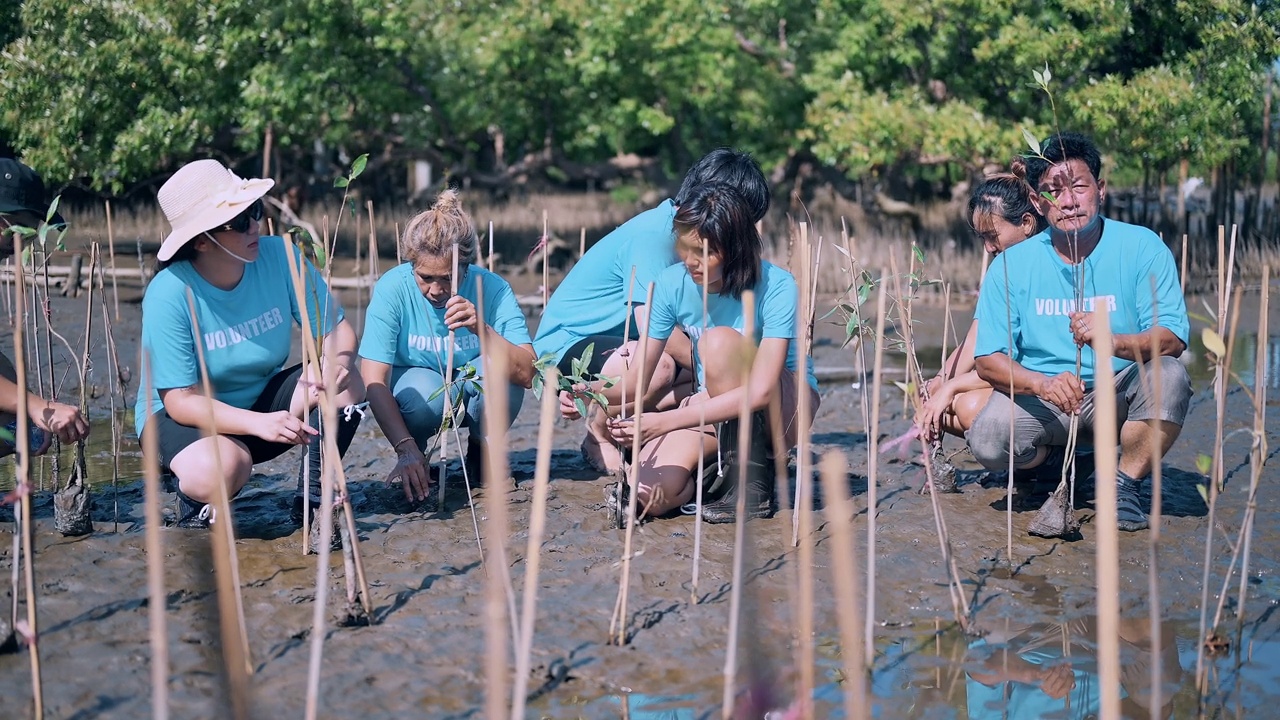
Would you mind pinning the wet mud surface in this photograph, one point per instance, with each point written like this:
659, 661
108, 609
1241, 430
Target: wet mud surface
424, 654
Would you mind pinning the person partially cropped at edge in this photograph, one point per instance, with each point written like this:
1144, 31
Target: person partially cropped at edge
1119, 262
404, 350
247, 310
1002, 212
23, 204
716, 216
590, 306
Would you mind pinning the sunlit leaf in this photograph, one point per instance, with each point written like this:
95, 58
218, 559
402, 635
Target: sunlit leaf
341, 182
1204, 493
917, 253
1204, 463
1046, 75
53, 209
357, 167
1032, 142
581, 406
1213, 343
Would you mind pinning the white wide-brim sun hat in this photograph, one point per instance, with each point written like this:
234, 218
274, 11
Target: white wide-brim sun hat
201, 196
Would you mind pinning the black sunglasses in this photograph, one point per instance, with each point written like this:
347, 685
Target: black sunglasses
241, 222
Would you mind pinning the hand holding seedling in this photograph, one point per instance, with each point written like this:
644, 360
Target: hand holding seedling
1081, 329
460, 314
1056, 681
937, 396
284, 427
623, 431
336, 374
1064, 390
411, 470
60, 419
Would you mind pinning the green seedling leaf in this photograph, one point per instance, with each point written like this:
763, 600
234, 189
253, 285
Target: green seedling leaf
23, 230
1204, 463
341, 182
1213, 343
581, 406
537, 386
8, 436
586, 357
1204, 493
357, 167
53, 209
1039, 76
918, 253
1046, 74
1032, 142
842, 251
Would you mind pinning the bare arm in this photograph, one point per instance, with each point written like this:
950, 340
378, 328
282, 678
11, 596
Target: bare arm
1130, 346
189, 406
411, 465
1064, 390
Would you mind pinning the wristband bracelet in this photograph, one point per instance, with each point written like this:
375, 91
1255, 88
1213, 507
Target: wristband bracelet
396, 446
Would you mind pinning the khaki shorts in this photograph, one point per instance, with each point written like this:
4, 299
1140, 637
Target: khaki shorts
789, 401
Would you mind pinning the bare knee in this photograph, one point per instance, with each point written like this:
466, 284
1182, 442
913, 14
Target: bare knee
197, 468
725, 358
966, 407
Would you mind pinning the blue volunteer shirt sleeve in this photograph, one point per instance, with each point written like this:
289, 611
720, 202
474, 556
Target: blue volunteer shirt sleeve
167, 336
994, 330
666, 302
502, 309
1167, 307
382, 321
650, 259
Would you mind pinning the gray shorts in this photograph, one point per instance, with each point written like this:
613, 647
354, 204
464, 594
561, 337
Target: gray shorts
1037, 423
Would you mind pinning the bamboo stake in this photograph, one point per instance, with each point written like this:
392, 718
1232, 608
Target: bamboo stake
1183, 273
618, 634
235, 638
702, 456
374, 263
740, 521
1157, 510
111, 254
448, 400
1107, 551
802, 446
115, 381
155, 559
22, 518
495, 381
844, 571
537, 524
582, 243
399, 251
1258, 451
489, 257
873, 462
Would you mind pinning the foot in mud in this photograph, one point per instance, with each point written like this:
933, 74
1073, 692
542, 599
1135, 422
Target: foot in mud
944, 473
603, 457
1129, 514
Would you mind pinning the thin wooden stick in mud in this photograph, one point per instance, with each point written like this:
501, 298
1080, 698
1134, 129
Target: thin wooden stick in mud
1258, 447
235, 637
1157, 509
1107, 548
873, 463
116, 378
448, 401
1221, 371
546, 283
155, 559
618, 626
22, 482
1182, 275
111, 255
740, 521
46, 311
489, 257
582, 243
537, 525
844, 571
399, 251
699, 480
331, 458
802, 446
495, 477
374, 264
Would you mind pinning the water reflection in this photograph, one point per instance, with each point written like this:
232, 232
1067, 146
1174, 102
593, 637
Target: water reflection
99, 459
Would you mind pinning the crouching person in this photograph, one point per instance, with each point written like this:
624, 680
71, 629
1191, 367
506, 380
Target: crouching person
245, 313
717, 218
405, 349
1030, 295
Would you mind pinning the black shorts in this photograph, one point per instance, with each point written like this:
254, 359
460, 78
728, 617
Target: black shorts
604, 346
174, 437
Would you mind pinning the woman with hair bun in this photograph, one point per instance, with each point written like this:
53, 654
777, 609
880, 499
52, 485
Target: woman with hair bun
404, 351
1002, 214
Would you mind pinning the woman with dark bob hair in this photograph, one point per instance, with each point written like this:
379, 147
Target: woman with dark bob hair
716, 222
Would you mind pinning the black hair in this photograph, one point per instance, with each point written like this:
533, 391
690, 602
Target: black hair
728, 166
1059, 148
719, 213
185, 253
1007, 195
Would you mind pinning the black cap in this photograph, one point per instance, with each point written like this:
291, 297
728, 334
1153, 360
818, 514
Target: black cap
22, 190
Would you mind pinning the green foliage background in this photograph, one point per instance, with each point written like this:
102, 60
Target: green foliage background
113, 93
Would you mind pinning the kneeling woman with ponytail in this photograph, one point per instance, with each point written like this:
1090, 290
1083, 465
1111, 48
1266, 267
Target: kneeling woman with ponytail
245, 313
405, 349
717, 218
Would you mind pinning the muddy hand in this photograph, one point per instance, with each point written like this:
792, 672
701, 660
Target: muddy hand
411, 470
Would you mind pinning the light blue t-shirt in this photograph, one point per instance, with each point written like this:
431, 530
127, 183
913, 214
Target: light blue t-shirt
677, 302
592, 298
245, 333
402, 329
1041, 296
1027, 700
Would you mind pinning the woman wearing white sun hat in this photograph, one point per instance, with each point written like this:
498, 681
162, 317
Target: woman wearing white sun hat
246, 311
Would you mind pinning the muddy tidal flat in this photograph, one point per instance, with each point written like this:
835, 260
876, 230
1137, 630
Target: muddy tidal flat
423, 655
